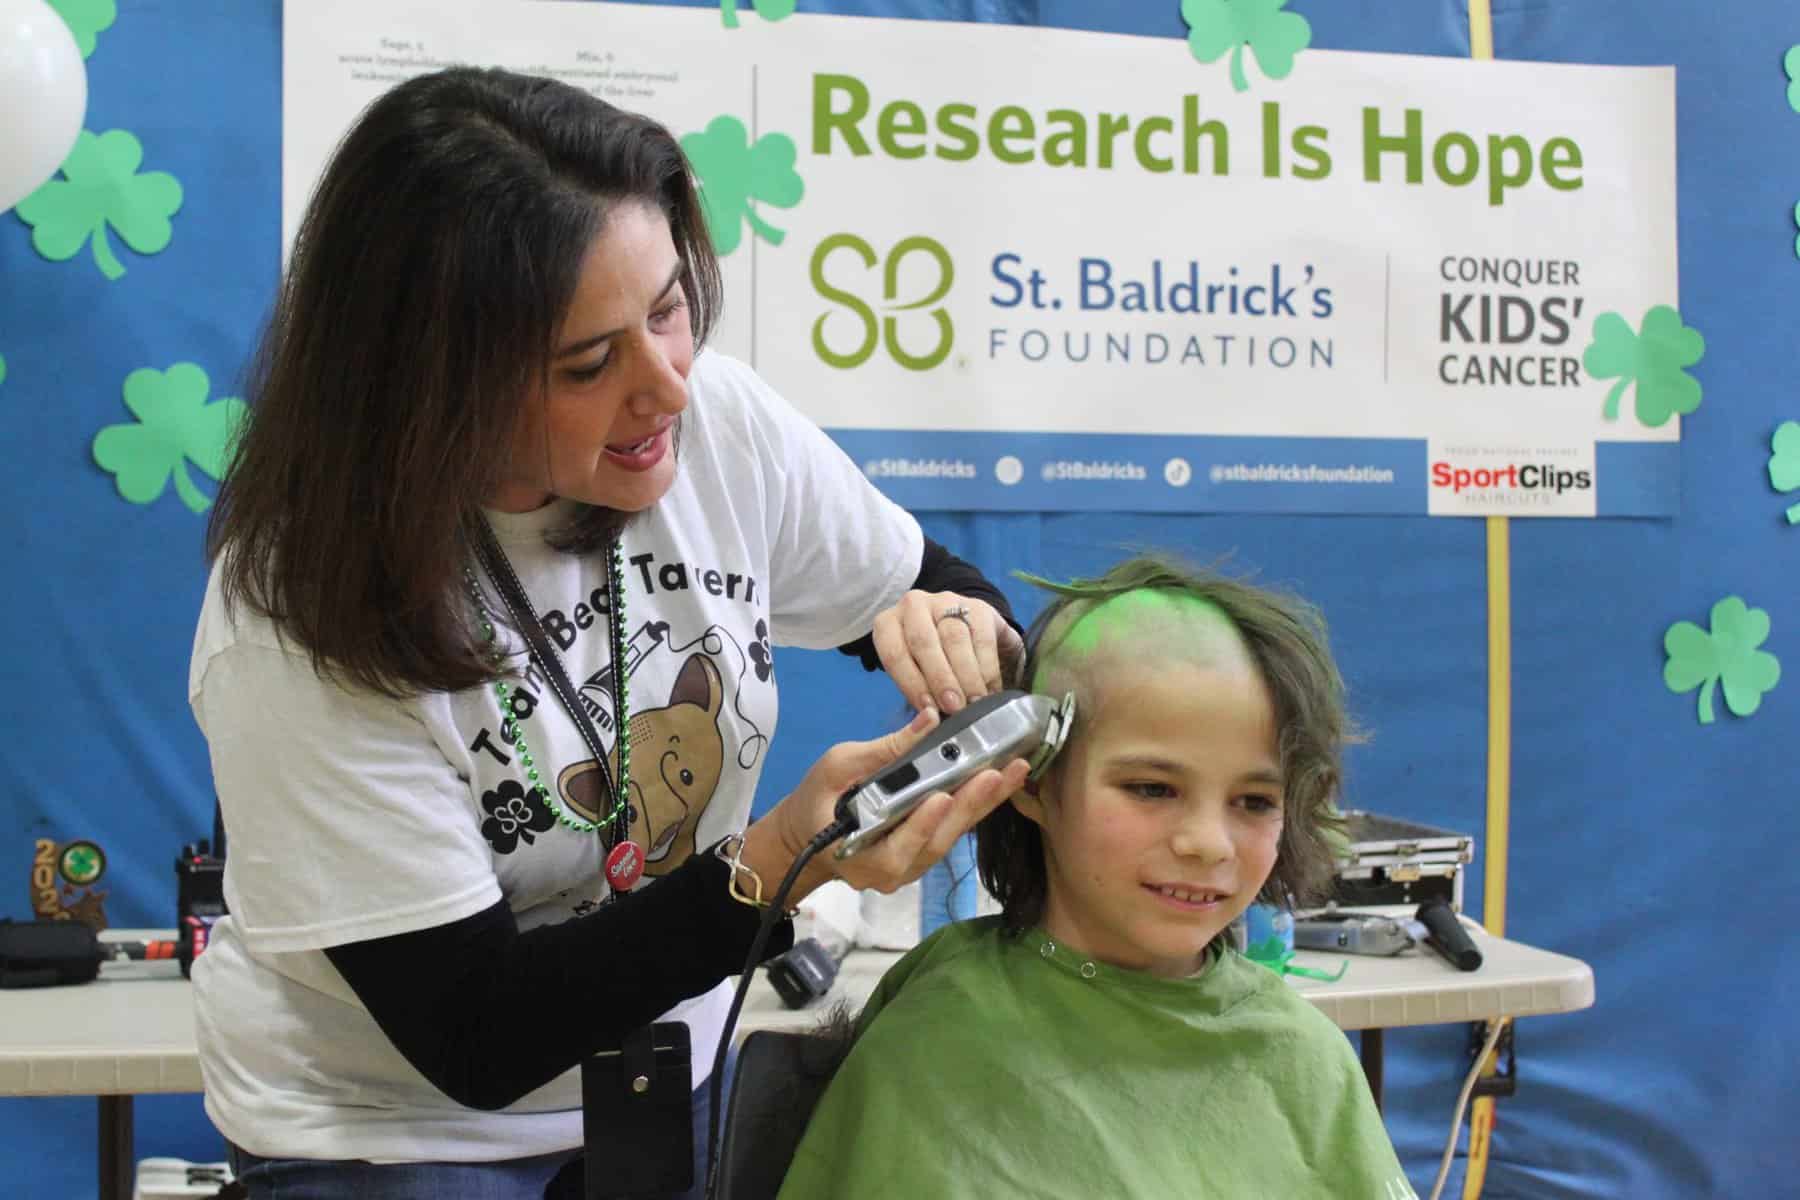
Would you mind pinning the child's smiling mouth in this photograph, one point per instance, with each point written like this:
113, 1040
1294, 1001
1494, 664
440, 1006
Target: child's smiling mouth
1197, 898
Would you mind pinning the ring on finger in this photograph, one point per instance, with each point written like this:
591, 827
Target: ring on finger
961, 613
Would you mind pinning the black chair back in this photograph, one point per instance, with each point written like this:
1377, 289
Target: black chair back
780, 1077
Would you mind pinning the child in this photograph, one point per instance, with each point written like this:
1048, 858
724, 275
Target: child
1100, 1037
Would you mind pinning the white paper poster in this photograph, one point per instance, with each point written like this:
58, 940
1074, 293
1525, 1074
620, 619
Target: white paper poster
1020, 268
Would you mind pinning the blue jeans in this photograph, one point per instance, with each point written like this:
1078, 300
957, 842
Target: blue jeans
508, 1179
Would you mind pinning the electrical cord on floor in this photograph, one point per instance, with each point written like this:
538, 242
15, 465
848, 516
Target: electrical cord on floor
1462, 1102
845, 823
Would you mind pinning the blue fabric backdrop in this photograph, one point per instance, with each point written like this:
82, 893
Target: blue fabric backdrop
1657, 850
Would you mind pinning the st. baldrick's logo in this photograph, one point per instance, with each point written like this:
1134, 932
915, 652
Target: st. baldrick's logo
930, 272
62, 882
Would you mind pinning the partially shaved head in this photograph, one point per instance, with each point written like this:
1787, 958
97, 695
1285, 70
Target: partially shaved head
1089, 640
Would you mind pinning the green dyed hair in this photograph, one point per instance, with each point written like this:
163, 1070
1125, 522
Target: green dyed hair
1286, 639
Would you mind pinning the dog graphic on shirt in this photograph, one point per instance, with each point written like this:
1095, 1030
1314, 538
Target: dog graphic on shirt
677, 756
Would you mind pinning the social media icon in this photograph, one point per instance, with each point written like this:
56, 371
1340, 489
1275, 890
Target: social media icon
1009, 470
1177, 472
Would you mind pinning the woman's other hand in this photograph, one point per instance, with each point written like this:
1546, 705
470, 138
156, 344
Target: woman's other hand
926, 835
943, 650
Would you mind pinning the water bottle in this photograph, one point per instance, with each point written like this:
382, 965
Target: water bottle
1269, 932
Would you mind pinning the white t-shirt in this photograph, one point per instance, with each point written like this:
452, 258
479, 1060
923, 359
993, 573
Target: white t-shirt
352, 816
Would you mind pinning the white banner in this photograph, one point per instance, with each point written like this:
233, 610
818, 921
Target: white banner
1040, 269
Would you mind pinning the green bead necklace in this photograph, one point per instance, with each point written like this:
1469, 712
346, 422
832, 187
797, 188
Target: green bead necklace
513, 732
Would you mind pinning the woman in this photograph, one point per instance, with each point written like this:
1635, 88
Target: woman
493, 506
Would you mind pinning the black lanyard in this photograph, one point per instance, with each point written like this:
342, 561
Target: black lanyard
518, 608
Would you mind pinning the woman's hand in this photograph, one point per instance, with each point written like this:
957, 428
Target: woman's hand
943, 650
926, 835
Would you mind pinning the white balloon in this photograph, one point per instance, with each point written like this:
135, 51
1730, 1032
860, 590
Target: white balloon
43, 96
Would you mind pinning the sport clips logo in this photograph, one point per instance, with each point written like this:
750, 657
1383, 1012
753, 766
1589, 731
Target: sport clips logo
1511, 477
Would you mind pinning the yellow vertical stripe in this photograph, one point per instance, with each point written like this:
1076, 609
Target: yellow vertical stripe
1481, 30
1499, 739
1499, 758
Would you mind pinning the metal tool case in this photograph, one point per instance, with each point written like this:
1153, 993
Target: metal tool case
1395, 861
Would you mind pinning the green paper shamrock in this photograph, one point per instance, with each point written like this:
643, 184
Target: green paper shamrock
101, 186
1791, 61
1727, 655
85, 19
768, 10
1653, 359
1784, 463
2, 368
1275, 37
732, 173
174, 423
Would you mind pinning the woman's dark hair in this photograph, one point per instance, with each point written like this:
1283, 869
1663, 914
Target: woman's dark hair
426, 286
1286, 639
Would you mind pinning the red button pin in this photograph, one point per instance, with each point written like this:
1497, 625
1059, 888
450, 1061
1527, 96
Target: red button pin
624, 865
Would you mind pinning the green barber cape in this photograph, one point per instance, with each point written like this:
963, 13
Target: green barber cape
993, 1067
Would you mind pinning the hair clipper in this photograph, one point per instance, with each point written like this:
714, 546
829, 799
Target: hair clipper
989, 732
1352, 933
